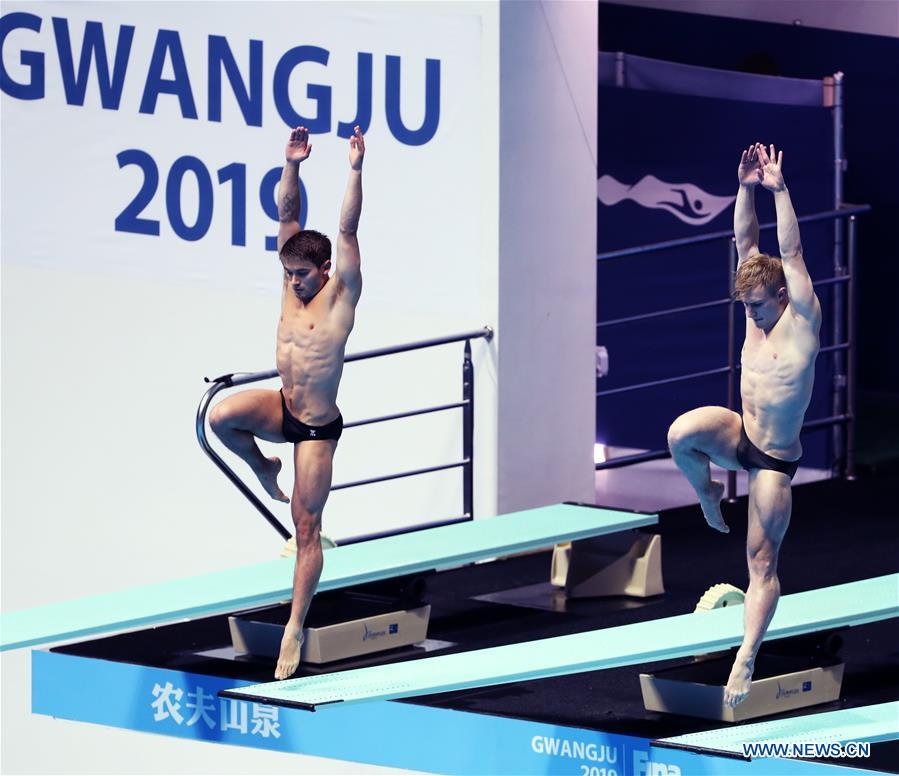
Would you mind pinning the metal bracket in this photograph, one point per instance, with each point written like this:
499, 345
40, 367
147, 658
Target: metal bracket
602, 361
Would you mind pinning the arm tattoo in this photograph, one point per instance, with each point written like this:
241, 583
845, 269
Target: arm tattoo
286, 207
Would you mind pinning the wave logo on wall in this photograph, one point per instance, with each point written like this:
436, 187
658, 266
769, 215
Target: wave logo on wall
685, 201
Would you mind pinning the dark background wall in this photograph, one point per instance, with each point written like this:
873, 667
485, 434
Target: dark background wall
637, 138
871, 67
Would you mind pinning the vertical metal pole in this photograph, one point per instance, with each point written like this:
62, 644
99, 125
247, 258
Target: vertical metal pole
468, 432
838, 400
731, 352
851, 355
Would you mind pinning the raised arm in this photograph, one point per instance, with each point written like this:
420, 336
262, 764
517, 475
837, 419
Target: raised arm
799, 284
348, 270
746, 223
298, 150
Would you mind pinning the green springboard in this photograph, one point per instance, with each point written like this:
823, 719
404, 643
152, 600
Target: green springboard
266, 583
854, 603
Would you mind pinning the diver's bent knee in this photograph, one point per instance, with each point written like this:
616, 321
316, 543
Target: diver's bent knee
681, 434
220, 418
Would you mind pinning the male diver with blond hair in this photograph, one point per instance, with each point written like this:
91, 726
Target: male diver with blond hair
317, 314
778, 369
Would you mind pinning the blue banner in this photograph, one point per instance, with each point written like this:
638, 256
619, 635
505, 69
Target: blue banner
387, 733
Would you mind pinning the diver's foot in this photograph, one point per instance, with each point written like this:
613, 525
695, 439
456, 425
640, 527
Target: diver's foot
739, 682
268, 477
289, 658
711, 507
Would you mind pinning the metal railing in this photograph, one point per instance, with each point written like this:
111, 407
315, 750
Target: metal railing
466, 405
843, 417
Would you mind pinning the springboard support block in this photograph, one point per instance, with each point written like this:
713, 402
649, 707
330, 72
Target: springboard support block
627, 563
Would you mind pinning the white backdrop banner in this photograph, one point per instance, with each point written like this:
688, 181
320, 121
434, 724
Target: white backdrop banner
141, 148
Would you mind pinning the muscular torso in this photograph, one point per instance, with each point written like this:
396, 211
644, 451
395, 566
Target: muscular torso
778, 372
311, 343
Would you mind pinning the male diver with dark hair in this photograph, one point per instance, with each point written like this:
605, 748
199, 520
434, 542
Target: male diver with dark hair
783, 318
318, 309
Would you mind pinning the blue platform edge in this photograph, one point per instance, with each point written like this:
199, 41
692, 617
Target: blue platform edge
385, 733
265, 583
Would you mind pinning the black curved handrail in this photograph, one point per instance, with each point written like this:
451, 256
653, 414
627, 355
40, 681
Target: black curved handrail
235, 379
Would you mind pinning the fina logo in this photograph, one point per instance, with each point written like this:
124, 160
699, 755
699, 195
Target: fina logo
783, 692
685, 201
371, 634
643, 766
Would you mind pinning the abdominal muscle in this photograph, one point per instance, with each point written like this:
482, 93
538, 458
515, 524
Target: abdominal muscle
310, 362
776, 387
